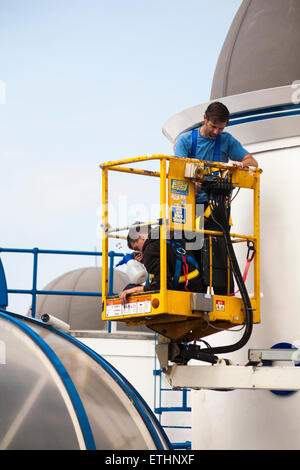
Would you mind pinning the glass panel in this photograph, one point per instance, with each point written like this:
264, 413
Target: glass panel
34, 406
114, 420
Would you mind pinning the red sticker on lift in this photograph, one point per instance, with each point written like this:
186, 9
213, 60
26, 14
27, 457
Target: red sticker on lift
220, 305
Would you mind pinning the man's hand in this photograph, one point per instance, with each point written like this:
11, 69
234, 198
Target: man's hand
138, 255
133, 290
123, 296
238, 164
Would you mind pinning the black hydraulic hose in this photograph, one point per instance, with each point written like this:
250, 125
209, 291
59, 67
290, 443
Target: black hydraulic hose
246, 300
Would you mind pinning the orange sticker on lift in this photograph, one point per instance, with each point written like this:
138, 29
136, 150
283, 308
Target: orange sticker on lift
134, 306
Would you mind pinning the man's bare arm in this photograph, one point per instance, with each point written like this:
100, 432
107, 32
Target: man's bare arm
248, 160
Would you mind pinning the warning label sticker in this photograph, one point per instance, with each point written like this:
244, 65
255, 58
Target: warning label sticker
220, 305
114, 308
178, 213
180, 187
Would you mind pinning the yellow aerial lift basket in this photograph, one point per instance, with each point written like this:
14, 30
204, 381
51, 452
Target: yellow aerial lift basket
181, 315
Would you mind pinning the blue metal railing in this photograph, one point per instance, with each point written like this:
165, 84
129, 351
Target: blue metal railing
159, 410
34, 291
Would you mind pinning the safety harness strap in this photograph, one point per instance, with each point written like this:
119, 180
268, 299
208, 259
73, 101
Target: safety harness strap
249, 259
181, 264
217, 149
194, 142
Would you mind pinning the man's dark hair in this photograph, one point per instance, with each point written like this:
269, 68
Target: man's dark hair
137, 230
217, 112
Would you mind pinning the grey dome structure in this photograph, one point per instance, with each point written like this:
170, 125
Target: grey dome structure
81, 312
261, 49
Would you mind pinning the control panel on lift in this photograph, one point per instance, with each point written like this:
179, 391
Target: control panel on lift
182, 315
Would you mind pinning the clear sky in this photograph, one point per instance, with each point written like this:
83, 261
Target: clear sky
87, 81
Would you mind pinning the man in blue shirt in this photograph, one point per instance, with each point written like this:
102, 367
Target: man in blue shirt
211, 143
216, 118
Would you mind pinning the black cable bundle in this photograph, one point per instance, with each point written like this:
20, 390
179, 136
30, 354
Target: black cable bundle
220, 215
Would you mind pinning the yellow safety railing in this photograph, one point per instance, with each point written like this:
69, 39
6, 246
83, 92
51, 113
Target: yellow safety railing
171, 313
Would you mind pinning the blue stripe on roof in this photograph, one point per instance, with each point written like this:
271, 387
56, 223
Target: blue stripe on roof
269, 109
271, 112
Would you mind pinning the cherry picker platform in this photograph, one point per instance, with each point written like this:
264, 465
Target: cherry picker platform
183, 316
